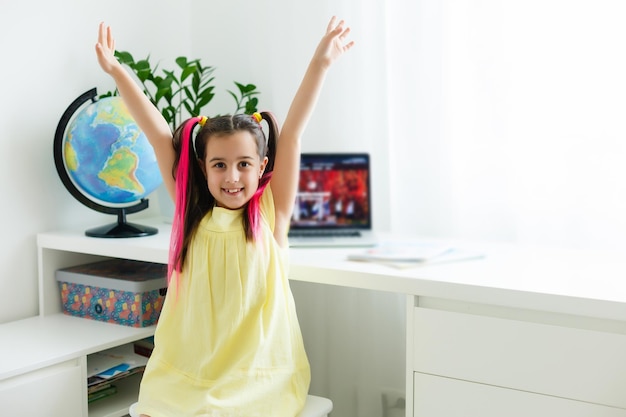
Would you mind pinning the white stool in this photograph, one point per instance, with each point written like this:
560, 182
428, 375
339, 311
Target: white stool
314, 407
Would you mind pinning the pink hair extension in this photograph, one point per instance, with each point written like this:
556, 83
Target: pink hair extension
254, 206
182, 179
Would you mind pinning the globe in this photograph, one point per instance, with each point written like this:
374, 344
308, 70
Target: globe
106, 161
108, 156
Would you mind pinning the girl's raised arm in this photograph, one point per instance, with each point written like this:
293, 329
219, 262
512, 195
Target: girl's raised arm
147, 116
287, 164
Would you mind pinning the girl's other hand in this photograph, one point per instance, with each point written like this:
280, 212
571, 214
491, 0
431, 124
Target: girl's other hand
105, 49
333, 44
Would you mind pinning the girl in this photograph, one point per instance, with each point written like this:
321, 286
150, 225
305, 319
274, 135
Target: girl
228, 342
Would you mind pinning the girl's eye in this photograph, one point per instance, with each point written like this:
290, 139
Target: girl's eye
244, 164
219, 165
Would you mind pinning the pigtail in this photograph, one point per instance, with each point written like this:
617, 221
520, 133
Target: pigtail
273, 132
252, 215
191, 200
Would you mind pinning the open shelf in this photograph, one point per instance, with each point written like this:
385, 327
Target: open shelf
117, 404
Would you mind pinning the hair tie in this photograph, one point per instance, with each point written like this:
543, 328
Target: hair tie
202, 120
257, 116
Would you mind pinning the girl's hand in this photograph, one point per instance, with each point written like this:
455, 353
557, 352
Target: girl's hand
105, 49
333, 45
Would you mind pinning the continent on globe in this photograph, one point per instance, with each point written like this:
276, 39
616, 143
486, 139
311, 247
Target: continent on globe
120, 171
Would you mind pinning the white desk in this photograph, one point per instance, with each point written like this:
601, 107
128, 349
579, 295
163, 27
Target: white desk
521, 332
524, 331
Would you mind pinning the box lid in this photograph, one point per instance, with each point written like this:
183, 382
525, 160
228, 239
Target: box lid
118, 274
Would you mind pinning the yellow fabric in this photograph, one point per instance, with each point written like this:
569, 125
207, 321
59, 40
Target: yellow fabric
228, 342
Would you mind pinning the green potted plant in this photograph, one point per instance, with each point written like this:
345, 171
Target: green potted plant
184, 92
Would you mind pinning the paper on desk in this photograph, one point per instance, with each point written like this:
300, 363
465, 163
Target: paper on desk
403, 255
402, 252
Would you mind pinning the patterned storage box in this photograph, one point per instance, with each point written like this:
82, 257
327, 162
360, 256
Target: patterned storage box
130, 293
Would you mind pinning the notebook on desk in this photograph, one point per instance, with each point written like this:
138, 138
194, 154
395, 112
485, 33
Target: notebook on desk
333, 204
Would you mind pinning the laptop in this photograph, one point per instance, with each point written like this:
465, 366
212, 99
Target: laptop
333, 204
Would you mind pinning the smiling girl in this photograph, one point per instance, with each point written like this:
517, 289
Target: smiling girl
228, 342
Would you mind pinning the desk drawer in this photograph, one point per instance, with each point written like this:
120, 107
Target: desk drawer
445, 397
560, 361
57, 390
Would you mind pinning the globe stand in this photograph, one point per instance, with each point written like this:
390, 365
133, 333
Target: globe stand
121, 229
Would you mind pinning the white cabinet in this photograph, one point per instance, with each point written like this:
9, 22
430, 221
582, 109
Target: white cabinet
43, 359
56, 390
470, 360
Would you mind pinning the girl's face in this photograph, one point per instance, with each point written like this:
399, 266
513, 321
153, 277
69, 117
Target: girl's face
232, 167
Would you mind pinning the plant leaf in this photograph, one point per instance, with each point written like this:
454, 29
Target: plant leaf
181, 61
204, 100
171, 77
187, 71
189, 93
191, 111
251, 105
248, 88
124, 57
206, 82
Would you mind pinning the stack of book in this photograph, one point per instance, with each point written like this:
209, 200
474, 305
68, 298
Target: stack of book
99, 391
106, 368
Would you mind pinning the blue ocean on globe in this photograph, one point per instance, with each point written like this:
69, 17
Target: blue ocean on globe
107, 156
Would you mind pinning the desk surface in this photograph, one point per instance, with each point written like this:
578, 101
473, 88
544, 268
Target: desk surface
586, 283
581, 283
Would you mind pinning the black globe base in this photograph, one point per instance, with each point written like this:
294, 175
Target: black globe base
117, 230
122, 229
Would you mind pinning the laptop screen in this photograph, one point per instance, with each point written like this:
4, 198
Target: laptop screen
333, 192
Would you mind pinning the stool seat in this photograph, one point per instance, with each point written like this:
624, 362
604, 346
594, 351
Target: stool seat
314, 407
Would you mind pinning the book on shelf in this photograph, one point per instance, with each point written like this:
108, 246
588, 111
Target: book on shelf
108, 363
93, 388
99, 394
96, 382
108, 366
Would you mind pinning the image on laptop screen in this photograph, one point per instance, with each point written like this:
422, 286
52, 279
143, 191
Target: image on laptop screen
333, 192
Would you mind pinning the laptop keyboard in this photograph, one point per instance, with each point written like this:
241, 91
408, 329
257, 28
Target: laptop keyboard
324, 233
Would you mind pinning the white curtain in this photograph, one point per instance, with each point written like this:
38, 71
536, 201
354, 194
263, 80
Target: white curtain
507, 120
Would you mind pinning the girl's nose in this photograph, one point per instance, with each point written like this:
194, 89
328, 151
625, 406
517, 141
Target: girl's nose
232, 175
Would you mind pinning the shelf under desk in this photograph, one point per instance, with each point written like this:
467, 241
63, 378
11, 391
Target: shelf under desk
37, 342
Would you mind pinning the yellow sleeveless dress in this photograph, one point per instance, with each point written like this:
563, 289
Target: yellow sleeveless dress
228, 342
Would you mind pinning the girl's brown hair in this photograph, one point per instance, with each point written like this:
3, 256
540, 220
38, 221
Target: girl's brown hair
193, 199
